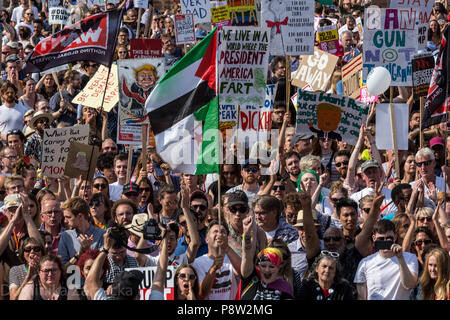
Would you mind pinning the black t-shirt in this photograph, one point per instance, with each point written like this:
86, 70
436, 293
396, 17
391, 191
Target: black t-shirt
214, 188
255, 289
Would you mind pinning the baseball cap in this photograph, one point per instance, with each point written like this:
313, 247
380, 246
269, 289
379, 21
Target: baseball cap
436, 141
369, 164
237, 197
12, 200
130, 187
300, 136
13, 44
12, 57
126, 284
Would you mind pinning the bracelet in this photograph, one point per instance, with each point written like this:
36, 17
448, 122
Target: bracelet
104, 250
76, 256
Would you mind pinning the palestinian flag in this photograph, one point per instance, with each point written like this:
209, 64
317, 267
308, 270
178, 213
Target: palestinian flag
183, 110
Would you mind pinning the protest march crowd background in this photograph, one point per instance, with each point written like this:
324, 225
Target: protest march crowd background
153, 150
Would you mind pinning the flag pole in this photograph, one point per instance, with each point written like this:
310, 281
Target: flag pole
394, 131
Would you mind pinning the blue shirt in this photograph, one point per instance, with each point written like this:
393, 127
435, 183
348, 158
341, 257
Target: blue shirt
182, 247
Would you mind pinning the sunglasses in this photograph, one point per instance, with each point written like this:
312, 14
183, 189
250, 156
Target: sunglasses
93, 65
187, 276
279, 187
428, 219
335, 239
426, 163
227, 173
339, 164
95, 204
147, 189
34, 248
199, 206
420, 242
100, 186
385, 239
235, 209
15, 131
335, 199
366, 210
253, 169
330, 254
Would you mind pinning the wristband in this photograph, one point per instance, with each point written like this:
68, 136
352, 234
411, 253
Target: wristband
104, 250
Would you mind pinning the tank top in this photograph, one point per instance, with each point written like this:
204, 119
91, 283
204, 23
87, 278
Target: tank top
37, 292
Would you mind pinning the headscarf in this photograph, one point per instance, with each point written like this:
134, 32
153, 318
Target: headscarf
300, 179
271, 254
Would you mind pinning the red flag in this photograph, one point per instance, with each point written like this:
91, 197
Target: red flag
93, 38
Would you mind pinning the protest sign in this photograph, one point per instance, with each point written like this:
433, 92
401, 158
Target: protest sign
58, 15
422, 36
365, 97
331, 116
201, 9
184, 28
421, 9
81, 160
351, 77
132, 134
92, 94
220, 16
137, 77
140, 4
55, 147
329, 40
145, 288
390, 41
360, 28
422, 70
291, 24
53, 3
315, 70
142, 48
243, 63
242, 12
383, 131
258, 118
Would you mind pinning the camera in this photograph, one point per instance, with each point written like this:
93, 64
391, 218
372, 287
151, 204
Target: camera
151, 230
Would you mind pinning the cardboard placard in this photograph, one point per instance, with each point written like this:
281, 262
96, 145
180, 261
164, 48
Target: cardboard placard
56, 145
143, 48
243, 63
243, 12
146, 284
132, 134
220, 16
330, 116
58, 15
383, 132
184, 28
351, 77
329, 40
81, 160
92, 93
390, 42
422, 70
291, 24
315, 70
201, 9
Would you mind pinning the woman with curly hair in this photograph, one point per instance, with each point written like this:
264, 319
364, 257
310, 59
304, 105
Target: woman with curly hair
435, 280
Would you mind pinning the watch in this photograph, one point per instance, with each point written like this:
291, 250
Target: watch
105, 250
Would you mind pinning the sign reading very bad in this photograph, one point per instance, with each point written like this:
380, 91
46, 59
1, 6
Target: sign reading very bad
390, 41
201, 9
330, 116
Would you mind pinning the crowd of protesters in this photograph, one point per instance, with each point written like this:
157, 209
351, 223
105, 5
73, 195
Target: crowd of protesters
332, 222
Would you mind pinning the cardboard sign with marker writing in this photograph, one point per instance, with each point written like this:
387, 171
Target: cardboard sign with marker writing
351, 76
81, 160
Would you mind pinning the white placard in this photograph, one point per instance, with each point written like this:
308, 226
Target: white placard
58, 15
201, 9
184, 28
140, 4
384, 127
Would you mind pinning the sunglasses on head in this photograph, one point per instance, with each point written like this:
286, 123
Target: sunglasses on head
426, 163
335, 239
187, 276
330, 254
234, 209
339, 164
420, 242
252, 169
100, 186
279, 187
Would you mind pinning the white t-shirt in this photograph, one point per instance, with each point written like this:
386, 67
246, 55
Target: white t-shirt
23, 24
387, 198
16, 15
115, 191
226, 283
12, 118
382, 276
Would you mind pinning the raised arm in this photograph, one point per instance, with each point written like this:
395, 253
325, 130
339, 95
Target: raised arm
161, 269
440, 232
351, 171
312, 239
195, 242
407, 241
248, 246
407, 277
316, 195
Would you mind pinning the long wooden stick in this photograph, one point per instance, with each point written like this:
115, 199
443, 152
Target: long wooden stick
394, 131
422, 101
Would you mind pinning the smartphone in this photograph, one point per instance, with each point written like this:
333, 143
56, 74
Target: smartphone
383, 245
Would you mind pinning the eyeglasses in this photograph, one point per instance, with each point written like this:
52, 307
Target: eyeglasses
330, 254
94, 65
420, 242
49, 213
187, 276
335, 239
100, 186
423, 219
253, 169
339, 164
279, 187
50, 271
34, 248
235, 209
95, 203
426, 163
146, 189
199, 206
29, 14
366, 210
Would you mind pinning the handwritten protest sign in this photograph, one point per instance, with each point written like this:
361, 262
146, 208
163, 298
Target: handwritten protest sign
132, 134
184, 28
58, 15
92, 93
201, 9
146, 284
55, 147
331, 116
291, 24
390, 41
365, 97
351, 77
220, 16
329, 39
315, 70
421, 9
142, 48
137, 78
81, 160
383, 122
243, 12
422, 36
243, 62
422, 70
258, 118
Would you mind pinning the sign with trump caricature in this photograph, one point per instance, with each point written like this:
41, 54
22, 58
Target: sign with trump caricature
137, 78
330, 116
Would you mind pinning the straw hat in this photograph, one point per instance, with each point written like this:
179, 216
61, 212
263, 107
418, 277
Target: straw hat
39, 115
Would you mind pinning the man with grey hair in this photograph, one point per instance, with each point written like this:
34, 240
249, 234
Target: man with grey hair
426, 162
267, 210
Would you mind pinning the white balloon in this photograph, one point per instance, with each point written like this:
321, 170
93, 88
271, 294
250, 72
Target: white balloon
378, 81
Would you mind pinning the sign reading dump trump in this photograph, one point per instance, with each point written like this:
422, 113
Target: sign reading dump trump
330, 116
